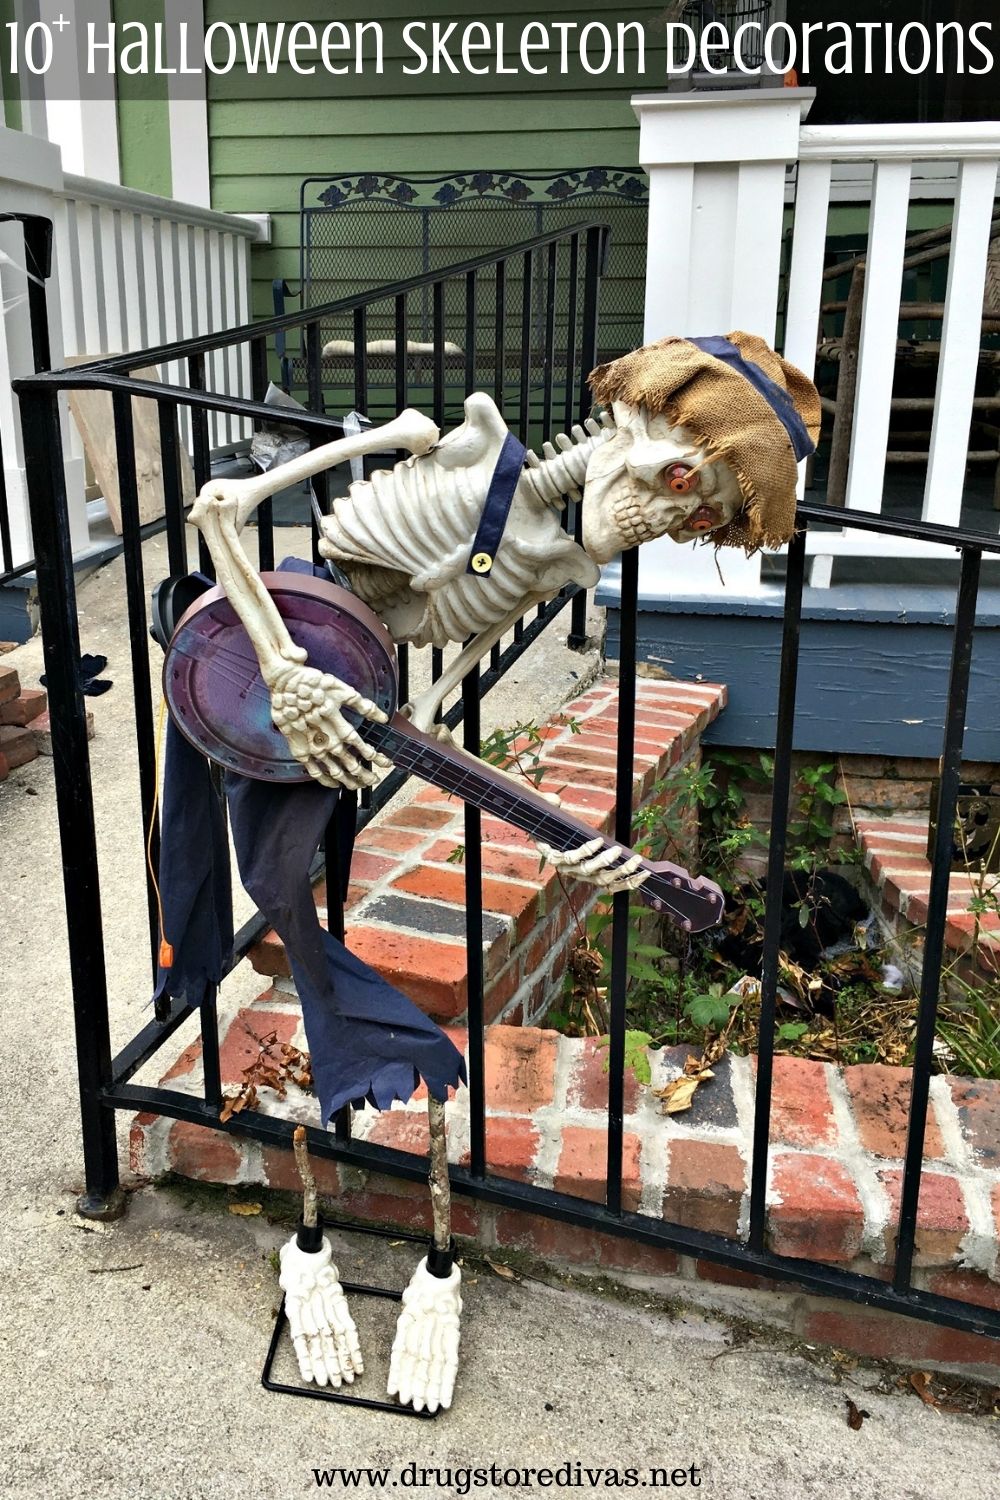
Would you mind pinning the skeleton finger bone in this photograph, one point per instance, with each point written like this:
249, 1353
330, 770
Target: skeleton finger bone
307, 707
598, 865
323, 1334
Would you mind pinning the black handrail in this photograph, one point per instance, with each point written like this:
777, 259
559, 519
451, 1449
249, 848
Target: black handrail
210, 343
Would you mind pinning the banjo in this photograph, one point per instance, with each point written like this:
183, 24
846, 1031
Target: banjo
219, 701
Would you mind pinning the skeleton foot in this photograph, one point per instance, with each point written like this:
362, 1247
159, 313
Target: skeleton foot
323, 1333
424, 1361
592, 864
307, 706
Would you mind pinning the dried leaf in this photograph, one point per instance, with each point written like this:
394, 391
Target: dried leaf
855, 1415
920, 1380
677, 1096
504, 1272
245, 1210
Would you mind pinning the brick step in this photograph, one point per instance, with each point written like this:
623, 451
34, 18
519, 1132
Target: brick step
835, 1169
406, 902
899, 874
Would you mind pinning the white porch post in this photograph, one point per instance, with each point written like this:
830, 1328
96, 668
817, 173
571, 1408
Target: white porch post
82, 124
188, 109
31, 180
717, 164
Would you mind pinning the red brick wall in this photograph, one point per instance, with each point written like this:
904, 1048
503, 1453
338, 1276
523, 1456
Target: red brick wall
833, 1189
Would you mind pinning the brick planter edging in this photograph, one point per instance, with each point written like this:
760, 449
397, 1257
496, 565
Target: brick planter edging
835, 1170
898, 873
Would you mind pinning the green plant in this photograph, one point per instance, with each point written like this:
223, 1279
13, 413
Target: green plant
520, 749
717, 803
811, 830
970, 1029
712, 1011
636, 1055
985, 898
969, 1023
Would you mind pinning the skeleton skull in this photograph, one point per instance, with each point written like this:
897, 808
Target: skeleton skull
650, 480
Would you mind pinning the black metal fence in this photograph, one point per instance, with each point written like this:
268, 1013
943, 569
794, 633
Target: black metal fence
106, 1080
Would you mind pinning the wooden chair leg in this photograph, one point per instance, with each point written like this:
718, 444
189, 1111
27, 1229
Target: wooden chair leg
847, 385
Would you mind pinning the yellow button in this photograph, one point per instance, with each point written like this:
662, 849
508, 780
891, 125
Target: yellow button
482, 562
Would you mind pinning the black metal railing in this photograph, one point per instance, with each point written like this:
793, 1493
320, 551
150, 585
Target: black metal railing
106, 1081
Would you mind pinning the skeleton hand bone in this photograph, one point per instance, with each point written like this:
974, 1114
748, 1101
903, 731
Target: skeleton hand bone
323, 1333
424, 1360
307, 706
597, 865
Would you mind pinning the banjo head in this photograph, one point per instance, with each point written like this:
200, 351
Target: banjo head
217, 697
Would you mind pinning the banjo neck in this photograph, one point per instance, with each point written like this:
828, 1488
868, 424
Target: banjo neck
694, 903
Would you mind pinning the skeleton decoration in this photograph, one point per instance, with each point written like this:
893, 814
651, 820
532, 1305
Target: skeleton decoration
699, 438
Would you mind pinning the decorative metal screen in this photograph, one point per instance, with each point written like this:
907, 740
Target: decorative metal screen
363, 230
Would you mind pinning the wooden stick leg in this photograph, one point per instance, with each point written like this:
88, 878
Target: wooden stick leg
305, 1171
439, 1180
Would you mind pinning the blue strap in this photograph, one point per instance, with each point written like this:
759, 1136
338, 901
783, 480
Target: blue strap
776, 397
496, 507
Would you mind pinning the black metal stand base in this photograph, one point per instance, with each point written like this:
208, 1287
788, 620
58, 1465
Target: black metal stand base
102, 1207
351, 1289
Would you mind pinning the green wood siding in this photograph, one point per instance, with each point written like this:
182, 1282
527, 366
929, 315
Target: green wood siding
143, 118
268, 132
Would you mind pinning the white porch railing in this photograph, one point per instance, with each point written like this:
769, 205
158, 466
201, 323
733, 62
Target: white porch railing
130, 271
720, 167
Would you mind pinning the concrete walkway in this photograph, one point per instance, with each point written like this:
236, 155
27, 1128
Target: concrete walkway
132, 1354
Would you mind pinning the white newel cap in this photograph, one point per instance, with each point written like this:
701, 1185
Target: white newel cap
744, 125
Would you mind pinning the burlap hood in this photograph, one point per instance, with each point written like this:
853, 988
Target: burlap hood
728, 417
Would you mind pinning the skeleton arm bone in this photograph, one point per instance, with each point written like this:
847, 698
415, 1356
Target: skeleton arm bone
424, 708
411, 430
307, 704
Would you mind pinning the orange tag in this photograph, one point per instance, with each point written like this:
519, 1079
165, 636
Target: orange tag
166, 956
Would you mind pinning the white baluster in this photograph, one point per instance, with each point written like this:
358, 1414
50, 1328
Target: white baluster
879, 335
805, 279
132, 310
241, 283
960, 342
